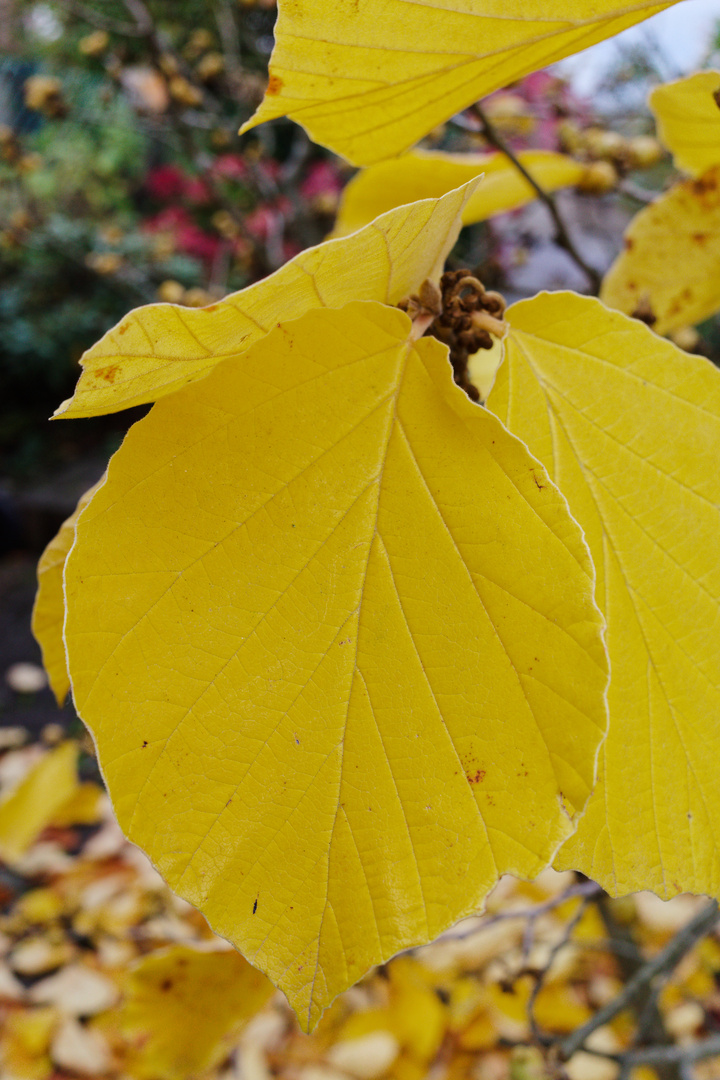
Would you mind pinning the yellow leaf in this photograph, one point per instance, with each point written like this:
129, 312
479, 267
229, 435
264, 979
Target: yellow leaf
184, 1009
158, 349
49, 610
628, 426
429, 174
369, 78
26, 1040
333, 631
84, 807
33, 804
672, 257
688, 120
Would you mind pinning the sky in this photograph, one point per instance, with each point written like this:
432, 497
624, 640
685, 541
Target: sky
681, 34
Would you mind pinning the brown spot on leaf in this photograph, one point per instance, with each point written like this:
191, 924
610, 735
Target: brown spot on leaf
275, 85
477, 777
123, 329
700, 238
628, 243
540, 487
166, 985
107, 373
145, 742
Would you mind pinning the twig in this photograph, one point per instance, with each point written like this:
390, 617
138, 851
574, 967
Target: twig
666, 960
540, 976
105, 22
634, 191
562, 236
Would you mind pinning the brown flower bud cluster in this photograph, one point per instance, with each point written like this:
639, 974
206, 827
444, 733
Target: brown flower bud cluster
470, 318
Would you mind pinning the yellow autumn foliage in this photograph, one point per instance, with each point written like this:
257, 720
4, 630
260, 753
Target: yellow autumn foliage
628, 426
369, 78
33, 804
183, 1010
688, 120
157, 349
430, 174
49, 609
332, 733
670, 265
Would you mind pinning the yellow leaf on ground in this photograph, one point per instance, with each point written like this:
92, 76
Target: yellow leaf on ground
429, 174
158, 349
333, 631
84, 807
671, 259
688, 120
26, 1041
628, 426
369, 78
33, 804
184, 1009
49, 610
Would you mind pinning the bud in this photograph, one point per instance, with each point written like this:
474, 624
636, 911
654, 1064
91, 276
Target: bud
171, 292
184, 92
104, 262
644, 151
44, 94
211, 65
198, 298
607, 145
598, 178
94, 44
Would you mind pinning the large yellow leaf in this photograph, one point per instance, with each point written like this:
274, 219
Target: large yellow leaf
672, 257
183, 1010
32, 806
49, 610
369, 78
688, 120
629, 428
332, 629
158, 349
429, 174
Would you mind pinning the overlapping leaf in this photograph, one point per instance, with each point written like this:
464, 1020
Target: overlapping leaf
155, 350
49, 609
333, 630
670, 266
688, 120
369, 78
629, 428
429, 174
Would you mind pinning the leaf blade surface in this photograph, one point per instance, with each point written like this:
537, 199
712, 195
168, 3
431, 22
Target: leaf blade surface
688, 120
334, 688
429, 174
158, 349
629, 427
671, 258
370, 78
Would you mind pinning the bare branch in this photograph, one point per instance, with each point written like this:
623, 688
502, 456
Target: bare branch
562, 236
104, 22
665, 961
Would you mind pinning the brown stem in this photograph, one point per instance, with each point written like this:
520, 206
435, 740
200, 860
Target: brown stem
562, 236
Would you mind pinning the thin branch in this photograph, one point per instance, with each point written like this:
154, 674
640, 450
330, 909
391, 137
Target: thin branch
634, 191
541, 976
105, 22
562, 236
665, 961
